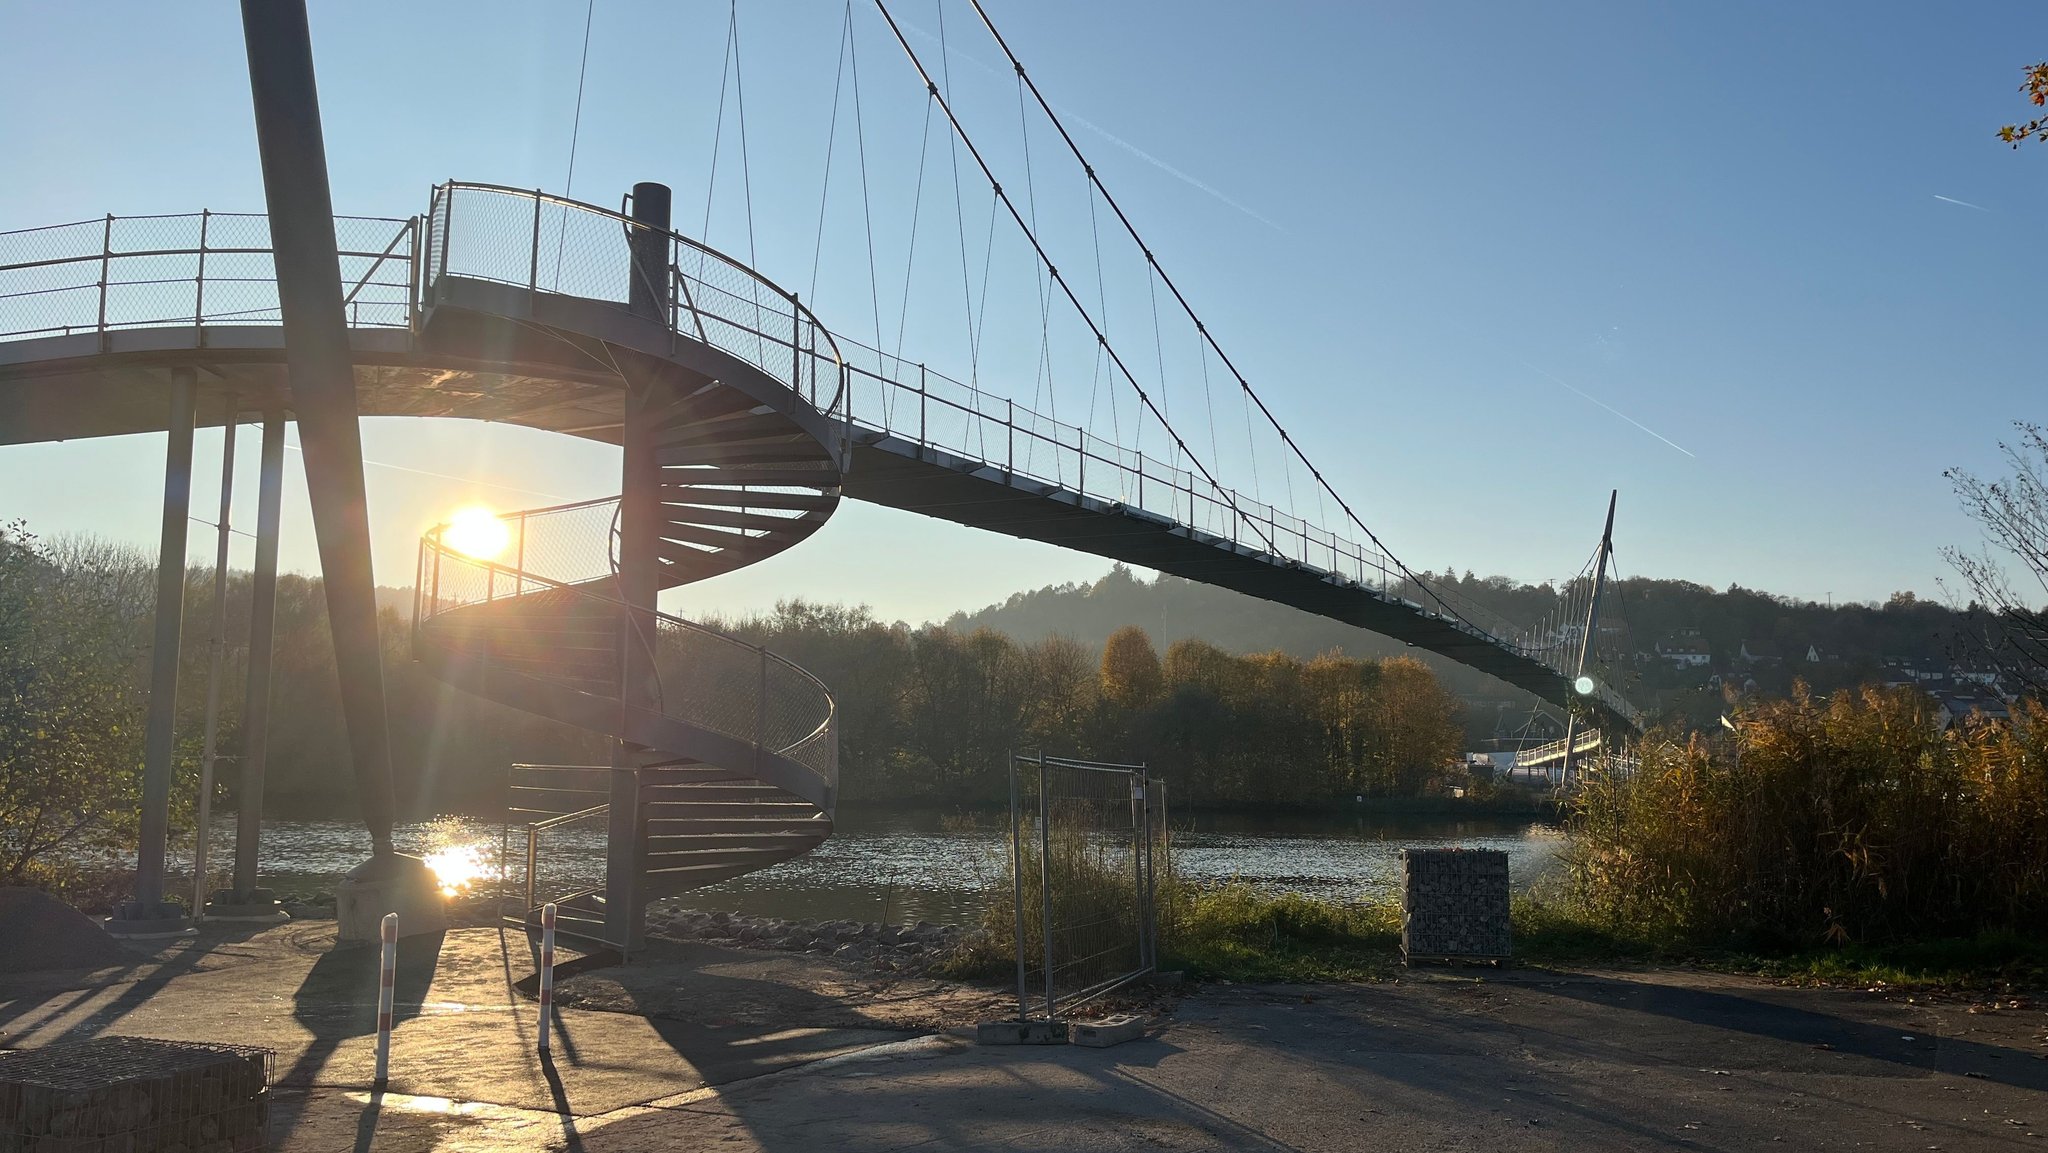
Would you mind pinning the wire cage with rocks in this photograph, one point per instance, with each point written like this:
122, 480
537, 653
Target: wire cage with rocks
1454, 905
135, 1095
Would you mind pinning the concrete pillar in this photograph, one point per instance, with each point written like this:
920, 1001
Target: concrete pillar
147, 912
247, 897
639, 575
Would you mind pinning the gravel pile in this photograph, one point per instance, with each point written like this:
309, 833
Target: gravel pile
908, 949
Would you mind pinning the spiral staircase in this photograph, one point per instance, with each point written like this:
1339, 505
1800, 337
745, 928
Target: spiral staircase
726, 753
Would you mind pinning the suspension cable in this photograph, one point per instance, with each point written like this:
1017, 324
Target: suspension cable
866, 206
575, 134
959, 209
739, 91
831, 142
1193, 316
916, 203
1066, 289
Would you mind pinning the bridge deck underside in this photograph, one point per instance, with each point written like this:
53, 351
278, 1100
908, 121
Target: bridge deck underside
902, 474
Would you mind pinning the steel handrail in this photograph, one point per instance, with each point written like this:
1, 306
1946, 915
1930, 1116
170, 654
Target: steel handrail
798, 307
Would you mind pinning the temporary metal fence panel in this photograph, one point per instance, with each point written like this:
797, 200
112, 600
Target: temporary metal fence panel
1082, 860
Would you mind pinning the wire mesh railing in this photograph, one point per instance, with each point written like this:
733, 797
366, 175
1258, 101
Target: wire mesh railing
703, 677
544, 243
1083, 883
202, 269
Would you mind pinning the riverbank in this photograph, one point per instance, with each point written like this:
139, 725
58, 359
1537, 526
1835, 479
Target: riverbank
1240, 934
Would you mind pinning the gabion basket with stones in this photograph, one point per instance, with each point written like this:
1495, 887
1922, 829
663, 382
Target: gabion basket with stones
135, 1095
1454, 905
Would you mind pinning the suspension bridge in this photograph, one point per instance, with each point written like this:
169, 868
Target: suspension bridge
745, 417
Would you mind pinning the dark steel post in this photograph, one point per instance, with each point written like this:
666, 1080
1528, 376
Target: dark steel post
262, 629
639, 577
216, 647
159, 740
1045, 873
321, 370
1017, 885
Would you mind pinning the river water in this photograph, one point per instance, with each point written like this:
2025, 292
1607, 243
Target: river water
904, 866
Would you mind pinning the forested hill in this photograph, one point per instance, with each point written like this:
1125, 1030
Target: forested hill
1854, 642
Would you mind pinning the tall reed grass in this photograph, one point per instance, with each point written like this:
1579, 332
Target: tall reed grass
1844, 820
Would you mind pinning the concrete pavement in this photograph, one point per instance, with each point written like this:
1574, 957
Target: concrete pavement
1519, 1060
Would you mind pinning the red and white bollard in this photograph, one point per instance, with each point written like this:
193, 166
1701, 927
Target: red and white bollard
547, 971
387, 978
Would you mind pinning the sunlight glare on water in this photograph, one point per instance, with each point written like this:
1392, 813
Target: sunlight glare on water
459, 868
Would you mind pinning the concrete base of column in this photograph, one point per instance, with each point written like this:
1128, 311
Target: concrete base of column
133, 921
256, 907
389, 884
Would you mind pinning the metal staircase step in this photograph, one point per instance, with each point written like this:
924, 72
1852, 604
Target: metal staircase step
787, 844
794, 452
745, 826
679, 476
807, 500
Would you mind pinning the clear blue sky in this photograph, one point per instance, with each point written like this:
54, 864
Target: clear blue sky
1439, 238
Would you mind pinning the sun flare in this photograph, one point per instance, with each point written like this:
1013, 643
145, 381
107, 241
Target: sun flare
458, 868
476, 531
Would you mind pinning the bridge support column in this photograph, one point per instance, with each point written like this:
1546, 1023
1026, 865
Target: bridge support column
147, 914
639, 579
246, 900
320, 366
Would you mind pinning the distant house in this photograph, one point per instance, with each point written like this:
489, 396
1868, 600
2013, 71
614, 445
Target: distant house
1685, 649
1759, 653
1976, 674
1814, 656
1969, 706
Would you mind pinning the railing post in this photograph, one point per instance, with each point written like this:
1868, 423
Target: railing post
761, 710
413, 273
796, 342
533, 261
199, 284
106, 258
532, 855
923, 403
447, 227
1010, 465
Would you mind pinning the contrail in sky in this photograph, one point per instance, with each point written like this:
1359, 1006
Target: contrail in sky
1623, 415
1964, 203
1105, 133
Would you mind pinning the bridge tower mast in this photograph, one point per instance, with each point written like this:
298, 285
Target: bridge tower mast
1600, 559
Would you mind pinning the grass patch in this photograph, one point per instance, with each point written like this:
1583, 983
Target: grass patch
1239, 933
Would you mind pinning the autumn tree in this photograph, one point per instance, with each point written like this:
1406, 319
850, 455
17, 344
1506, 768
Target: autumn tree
1131, 676
2010, 568
2036, 89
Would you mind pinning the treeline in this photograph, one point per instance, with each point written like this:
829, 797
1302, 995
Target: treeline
1855, 638
928, 714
